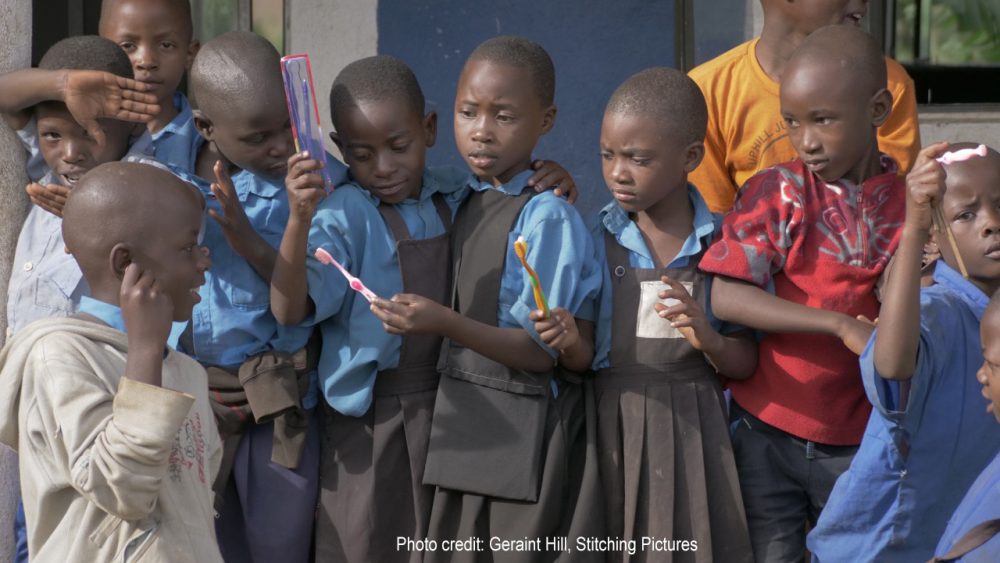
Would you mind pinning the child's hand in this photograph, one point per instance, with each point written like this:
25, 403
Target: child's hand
548, 175
305, 189
558, 331
93, 94
148, 311
236, 227
925, 187
407, 313
688, 317
51, 198
855, 332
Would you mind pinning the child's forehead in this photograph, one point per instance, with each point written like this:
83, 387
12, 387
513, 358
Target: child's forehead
818, 84
975, 176
483, 77
143, 16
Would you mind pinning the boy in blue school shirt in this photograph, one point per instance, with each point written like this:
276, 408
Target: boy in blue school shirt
928, 435
389, 227
158, 37
489, 409
971, 535
258, 370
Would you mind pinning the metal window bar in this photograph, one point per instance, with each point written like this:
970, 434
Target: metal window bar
684, 34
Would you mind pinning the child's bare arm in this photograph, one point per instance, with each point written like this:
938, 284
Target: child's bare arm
734, 357
897, 339
88, 94
413, 314
746, 304
236, 227
572, 338
290, 302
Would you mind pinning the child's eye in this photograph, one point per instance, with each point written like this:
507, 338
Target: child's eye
791, 123
504, 118
606, 155
824, 120
166, 45
361, 156
466, 113
254, 139
50, 136
640, 161
127, 45
400, 148
965, 216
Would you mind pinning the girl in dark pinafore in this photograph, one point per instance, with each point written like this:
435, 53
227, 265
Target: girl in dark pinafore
666, 461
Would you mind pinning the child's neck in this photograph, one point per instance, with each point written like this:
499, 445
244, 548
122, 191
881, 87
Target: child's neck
168, 111
208, 154
509, 174
666, 225
778, 41
869, 166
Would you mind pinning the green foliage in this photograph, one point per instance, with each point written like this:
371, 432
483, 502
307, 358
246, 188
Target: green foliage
961, 32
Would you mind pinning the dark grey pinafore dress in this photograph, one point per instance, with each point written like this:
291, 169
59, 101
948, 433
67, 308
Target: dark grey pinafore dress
665, 454
371, 479
509, 459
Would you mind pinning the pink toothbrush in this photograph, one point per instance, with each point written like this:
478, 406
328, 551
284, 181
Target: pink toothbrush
356, 284
961, 154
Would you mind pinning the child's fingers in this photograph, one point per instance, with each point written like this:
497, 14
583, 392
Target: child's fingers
551, 334
542, 179
93, 129
222, 221
223, 180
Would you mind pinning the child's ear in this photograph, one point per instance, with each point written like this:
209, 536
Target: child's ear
193, 47
881, 107
693, 154
430, 128
203, 124
337, 141
549, 119
121, 257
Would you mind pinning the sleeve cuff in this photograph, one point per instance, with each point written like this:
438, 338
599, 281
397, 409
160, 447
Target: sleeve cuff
150, 412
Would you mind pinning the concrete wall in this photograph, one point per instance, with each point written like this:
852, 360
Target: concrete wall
975, 124
15, 53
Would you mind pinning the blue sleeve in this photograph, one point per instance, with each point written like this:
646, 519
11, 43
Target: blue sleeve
603, 300
330, 230
561, 252
938, 324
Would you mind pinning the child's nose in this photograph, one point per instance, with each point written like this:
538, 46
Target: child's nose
991, 223
145, 59
73, 151
480, 131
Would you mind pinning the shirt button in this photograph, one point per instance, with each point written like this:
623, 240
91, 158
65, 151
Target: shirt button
28, 266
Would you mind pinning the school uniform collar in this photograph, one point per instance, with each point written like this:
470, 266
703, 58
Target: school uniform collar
181, 122
974, 297
617, 222
111, 315
512, 187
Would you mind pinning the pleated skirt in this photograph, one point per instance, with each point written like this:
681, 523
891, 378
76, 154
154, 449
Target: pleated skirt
667, 468
570, 503
371, 474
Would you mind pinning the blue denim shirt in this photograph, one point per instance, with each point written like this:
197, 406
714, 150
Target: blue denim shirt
560, 250
176, 143
348, 225
921, 452
615, 220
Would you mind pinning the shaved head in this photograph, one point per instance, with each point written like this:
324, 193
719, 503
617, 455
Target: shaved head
523, 53
234, 69
843, 54
667, 96
122, 202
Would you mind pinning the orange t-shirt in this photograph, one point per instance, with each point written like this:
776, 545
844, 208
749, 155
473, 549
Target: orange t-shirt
746, 133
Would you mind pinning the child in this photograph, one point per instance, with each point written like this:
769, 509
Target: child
388, 227
928, 436
666, 463
84, 78
500, 399
158, 37
259, 372
114, 429
971, 535
799, 258
746, 132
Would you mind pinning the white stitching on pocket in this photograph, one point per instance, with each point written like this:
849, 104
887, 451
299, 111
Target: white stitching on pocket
648, 324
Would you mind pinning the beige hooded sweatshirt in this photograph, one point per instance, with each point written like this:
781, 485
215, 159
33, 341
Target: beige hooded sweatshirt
111, 469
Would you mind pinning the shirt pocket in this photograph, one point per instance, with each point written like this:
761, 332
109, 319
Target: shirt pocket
57, 279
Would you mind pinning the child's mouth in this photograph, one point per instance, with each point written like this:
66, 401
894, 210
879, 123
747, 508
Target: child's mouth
482, 161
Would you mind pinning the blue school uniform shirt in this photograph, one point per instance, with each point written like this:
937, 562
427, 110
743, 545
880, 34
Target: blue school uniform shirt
233, 321
559, 249
35, 165
980, 504
348, 225
920, 452
176, 143
616, 221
